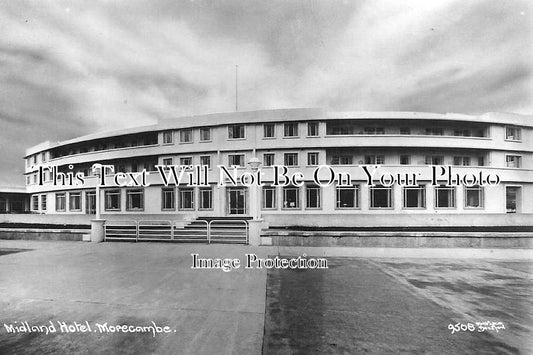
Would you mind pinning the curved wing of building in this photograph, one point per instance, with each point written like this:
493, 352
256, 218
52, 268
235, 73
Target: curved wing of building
332, 166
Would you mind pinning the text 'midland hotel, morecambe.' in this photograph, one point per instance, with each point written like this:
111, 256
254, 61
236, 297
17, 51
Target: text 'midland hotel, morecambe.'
397, 144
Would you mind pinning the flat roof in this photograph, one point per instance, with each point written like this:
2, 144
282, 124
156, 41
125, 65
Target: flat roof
281, 115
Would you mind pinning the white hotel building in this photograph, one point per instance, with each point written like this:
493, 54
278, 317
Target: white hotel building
302, 139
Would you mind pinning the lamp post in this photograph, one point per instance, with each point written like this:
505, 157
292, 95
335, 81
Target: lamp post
254, 205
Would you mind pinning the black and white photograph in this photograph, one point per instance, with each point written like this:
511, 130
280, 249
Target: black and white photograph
266, 177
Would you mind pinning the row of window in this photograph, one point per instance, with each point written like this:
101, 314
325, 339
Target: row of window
381, 197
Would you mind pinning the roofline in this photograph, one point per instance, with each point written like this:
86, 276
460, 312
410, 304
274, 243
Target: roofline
281, 115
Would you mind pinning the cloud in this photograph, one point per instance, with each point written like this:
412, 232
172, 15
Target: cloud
71, 68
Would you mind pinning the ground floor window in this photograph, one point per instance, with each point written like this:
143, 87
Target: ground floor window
35, 202
474, 197
269, 197
43, 202
444, 197
347, 196
74, 203
186, 199
291, 197
112, 200
312, 196
134, 199
168, 199
381, 197
414, 197
61, 202
206, 198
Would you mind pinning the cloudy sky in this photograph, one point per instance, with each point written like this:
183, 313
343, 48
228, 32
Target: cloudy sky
69, 68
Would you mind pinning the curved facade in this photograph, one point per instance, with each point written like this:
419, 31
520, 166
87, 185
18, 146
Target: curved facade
399, 143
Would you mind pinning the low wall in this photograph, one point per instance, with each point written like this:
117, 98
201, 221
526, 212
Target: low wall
42, 234
79, 219
397, 220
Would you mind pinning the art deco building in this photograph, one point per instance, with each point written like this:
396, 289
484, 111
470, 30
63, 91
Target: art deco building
497, 145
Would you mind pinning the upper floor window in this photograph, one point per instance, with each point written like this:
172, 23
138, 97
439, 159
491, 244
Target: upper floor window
312, 129
186, 161
268, 159
405, 159
373, 130
167, 161
312, 159
465, 161
269, 130
35, 159
513, 133
236, 159
405, 130
434, 160
462, 132
374, 159
342, 160
236, 131
43, 157
290, 159
205, 134
434, 131
186, 135
513, 161
205, 160
168, 137
290, 129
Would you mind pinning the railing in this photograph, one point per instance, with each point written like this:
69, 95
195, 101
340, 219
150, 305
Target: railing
121, 230
197, 231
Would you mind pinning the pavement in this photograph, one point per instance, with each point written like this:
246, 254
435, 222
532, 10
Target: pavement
373, 295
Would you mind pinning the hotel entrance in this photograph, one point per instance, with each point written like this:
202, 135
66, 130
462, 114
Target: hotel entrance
236, 199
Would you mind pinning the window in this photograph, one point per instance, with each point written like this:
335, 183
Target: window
381, 197
112, 200
167, 161
434, 160
205, 160
513, 161
291, 197
61, 202
186, 161
168, 137
462, 132
414, 197
269, 197
134, 199
290, 129
186, 135
34, 159
236, 159
444, 197
168, 198
465, 161
480, 161
312, 159
341, 160
206, 198
473, 197
268, 159
43, 157
405, 130
236, 131
74, 201
205, 134
347, 196
312, 129
513, 133
405, 159
374, 159
340, 128
290, 159
43, 202
312, 196
186, 199
269, 130
434, 131
35, 203
373, 130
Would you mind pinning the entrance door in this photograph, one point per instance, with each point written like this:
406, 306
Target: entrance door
512, 199
236, 201
90, 202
